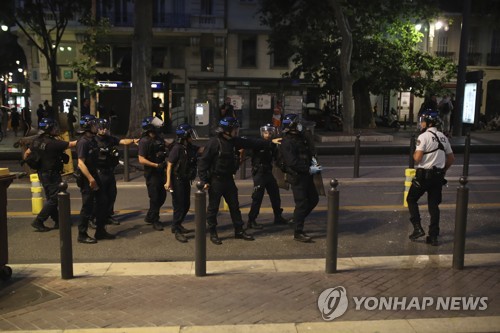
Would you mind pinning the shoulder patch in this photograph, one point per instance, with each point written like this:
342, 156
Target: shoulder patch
418, 142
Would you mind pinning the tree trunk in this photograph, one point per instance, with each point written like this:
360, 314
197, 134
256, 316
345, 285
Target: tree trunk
345, 65
363, 107
141, 99
53, 84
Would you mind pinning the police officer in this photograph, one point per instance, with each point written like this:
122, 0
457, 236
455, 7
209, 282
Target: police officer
300, 166
263, 180
434, 157
107, 160
216, 167
52, 158
181, 171
153, 154
93, 191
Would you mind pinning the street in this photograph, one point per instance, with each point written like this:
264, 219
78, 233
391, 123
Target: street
372, 219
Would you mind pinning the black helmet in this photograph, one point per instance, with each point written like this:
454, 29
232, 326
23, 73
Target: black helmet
184, 131
47, 124
87, 122
268, 128
102, 123
227, 124
291, 123
151, 123
431, 117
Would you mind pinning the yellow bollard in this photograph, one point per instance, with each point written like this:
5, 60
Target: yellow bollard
225, 207
409, 173
36, 194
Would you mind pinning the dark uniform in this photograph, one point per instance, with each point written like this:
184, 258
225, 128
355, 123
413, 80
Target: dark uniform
297, 157
436, 157
52, 160
154, 150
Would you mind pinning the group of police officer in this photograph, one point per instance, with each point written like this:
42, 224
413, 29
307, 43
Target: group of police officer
173, 167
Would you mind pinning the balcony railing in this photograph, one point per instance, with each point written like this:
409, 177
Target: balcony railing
168, 20
474, 59
493, 59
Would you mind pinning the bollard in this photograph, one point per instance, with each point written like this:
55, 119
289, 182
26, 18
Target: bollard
200, 216
465, 172
409, 174
332, 233
66, 246
243, 169
404, 126
460, 224
36, 194
411, 164
126, 169
356, 156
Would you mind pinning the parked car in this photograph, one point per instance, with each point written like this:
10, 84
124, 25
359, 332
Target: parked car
332, 122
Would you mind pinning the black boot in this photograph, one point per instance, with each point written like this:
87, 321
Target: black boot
39, 226
239, 233
417, 232
86, 239
254, 225
101, 233
214, 237
179, 236
280, 220
432, 240
300, 236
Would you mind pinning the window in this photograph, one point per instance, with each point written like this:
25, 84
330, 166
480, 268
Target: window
248, 51
206, 7
159, 57
279, 57
66, 53
103, 58
207, 59
177, 57
122, 58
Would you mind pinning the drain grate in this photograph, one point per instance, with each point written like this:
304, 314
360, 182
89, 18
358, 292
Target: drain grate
20, 293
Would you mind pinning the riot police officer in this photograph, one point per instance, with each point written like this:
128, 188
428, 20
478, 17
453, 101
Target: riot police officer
153, 154
51, 160
216, 167
91, 187
434, 156
263, 180
181, 171
300, 166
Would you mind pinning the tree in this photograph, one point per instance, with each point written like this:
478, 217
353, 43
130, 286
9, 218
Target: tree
43, 22
384, 55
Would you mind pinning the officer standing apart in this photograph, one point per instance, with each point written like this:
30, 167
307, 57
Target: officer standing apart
434, 157
90, 185
153, 154
52, 158
181, 171
300, 166
263, 180
217, 165
107, 160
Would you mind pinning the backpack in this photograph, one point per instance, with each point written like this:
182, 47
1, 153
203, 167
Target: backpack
34, 159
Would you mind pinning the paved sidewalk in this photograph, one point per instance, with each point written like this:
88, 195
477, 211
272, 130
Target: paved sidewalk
250, 296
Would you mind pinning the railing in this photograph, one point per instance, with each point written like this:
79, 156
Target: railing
474, 59
167, 20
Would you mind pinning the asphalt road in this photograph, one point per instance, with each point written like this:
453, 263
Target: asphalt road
372, 219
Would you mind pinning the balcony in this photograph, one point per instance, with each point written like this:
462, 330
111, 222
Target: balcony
474, 59
207, 22
493, 59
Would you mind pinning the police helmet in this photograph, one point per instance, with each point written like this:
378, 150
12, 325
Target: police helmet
430, 117
184, 131
88, 122
227, 124
268, 128
102, 124
291, 123
47, 125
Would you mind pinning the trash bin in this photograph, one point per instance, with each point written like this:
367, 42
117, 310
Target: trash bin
5, 271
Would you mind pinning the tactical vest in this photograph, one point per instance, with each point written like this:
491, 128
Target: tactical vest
262, 160
185, 167
92, 157
227, 161
48, 162
107, 156
157, 151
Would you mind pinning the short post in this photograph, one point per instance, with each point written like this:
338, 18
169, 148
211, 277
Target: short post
411, 164
404, 126
126, 166
460, 224
200, 216
465, 172
243, 169
356, 155
332, 230
65, 232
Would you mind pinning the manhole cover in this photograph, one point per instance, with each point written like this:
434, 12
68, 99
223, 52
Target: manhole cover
20, 293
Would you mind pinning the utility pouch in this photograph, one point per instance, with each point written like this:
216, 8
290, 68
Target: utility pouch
78, 177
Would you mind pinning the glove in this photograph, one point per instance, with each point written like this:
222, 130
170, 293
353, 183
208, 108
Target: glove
162, 165
314, 169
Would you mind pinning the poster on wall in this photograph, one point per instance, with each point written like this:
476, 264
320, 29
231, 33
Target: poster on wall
293, 104
236, 101
469, 112
263, 102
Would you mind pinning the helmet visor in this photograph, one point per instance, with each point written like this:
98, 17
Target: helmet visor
268, 132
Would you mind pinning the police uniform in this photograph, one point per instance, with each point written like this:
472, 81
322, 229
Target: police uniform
154, 150
429, 177
297, 156
183, 158
50, 176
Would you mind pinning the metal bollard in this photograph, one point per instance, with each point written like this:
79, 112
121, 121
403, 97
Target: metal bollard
200, 216
243, 169
404, 126
66, 246
411, 164
356, 155
465, 172
460, 224
126, 166
332, 233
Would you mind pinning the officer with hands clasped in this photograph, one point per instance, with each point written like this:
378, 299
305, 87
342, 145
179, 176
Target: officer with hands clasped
93, 190
49, 168
181, 171
300, 167
216, 167
434, 157
152, 154
263, 180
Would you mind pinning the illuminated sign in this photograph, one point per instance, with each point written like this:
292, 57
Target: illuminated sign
469, 103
